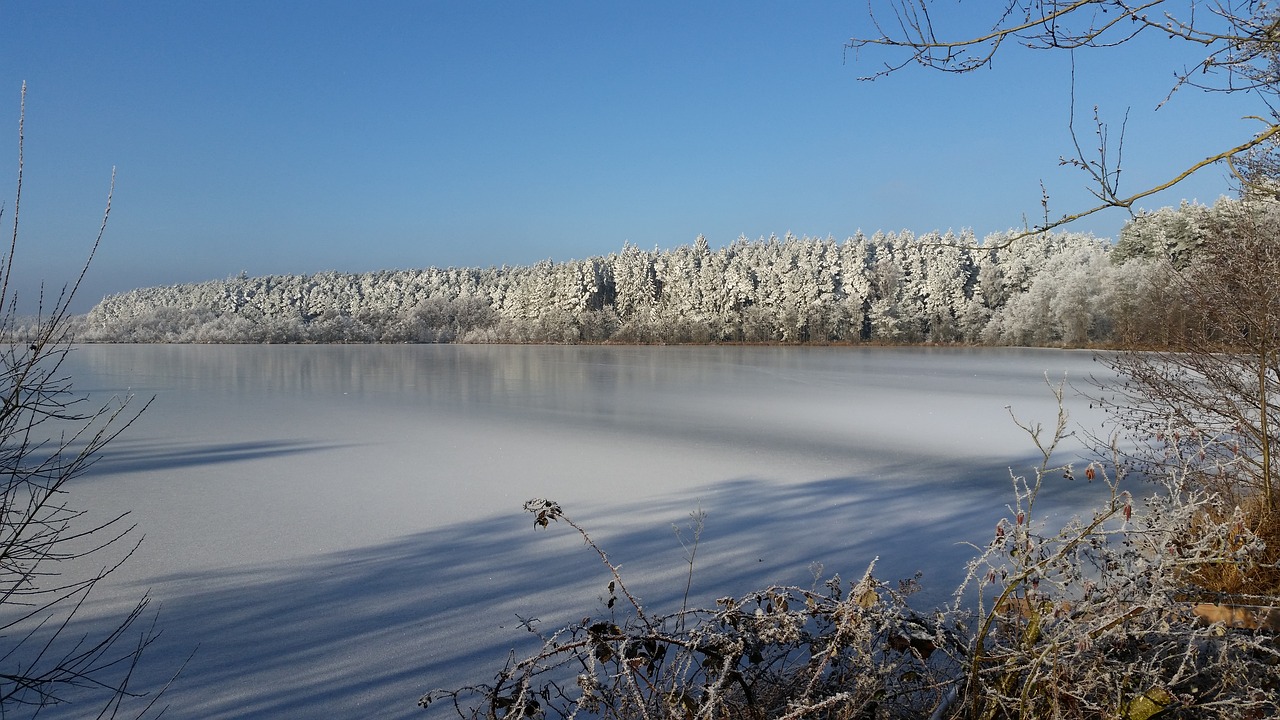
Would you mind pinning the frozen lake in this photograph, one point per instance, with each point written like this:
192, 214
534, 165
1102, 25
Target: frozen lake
339, 528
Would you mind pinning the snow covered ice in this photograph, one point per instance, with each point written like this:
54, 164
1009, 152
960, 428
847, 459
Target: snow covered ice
339, 528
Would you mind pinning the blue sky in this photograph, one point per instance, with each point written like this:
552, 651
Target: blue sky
296, 137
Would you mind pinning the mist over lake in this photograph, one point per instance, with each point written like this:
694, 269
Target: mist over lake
339, 528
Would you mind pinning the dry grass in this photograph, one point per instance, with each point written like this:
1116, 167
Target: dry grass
1252, 544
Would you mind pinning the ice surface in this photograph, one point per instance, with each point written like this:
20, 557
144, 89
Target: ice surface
338, 528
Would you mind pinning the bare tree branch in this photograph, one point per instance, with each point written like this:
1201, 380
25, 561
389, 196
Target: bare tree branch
1234, 47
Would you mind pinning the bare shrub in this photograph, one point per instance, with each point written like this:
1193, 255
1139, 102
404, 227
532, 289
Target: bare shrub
52, 555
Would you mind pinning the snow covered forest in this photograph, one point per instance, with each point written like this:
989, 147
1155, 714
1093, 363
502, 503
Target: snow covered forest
1065, 289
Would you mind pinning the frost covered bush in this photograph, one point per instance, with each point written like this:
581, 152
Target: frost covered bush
1205, 397
766, 654
1101, 618
1096, 618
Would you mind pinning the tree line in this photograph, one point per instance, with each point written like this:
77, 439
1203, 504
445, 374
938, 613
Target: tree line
1052, 288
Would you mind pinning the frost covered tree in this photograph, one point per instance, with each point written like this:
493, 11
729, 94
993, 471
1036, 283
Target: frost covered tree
635, 289
1173, 233
1061, 302
890, 287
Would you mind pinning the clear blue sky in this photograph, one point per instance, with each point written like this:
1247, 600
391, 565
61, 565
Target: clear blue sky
295, 137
